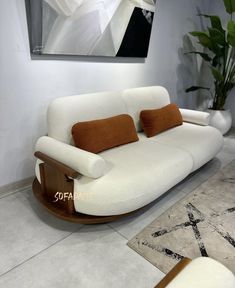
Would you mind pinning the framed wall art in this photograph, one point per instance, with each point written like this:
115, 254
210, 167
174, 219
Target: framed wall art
90, 27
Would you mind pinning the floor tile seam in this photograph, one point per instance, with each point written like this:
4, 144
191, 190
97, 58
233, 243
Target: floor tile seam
118, 232
38, 253
11, 193
122, 235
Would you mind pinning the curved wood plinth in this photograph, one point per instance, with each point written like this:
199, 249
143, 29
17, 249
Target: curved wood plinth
75, 217
173, 273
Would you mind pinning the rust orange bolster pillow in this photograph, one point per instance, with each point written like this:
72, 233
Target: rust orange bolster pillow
98, 135
155, 121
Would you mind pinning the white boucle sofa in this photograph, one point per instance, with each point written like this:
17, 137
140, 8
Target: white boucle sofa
122, 179
203, 272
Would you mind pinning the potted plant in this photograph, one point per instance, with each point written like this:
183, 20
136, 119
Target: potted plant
218, 45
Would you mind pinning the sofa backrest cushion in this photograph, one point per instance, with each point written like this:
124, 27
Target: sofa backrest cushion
138, 99
99, 135
155, 121
64, 112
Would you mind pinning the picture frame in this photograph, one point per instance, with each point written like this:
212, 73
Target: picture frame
111, 28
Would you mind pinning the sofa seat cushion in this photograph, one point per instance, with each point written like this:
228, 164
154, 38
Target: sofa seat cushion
137, 174
201, 142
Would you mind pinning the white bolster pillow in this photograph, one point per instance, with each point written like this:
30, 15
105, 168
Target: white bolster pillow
197, 117
86, 163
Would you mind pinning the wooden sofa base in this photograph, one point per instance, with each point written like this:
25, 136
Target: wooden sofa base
55, 177
75, 217
173, 273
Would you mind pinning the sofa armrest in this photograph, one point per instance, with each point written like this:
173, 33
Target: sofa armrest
66, 170
173, 273
86, 163
203, 272
196, 117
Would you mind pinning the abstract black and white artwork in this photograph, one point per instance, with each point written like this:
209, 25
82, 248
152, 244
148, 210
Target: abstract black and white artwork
90, 27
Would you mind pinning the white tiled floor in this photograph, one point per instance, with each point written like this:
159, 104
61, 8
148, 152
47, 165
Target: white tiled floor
38, 250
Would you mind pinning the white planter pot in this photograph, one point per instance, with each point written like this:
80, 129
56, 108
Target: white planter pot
221, 119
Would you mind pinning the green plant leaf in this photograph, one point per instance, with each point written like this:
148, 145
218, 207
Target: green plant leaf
231, 33
205, 56
195, 88
229, 86
230, 6
215, 22
217, 36
215, 61
199, 34
217, 75
203, 38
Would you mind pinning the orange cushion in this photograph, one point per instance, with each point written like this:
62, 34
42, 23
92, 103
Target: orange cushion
99, 135
158, 120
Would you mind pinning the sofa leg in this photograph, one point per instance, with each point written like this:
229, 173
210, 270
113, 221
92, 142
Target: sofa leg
173, 273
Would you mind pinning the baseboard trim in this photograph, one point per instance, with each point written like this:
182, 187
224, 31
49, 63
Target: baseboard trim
15, 186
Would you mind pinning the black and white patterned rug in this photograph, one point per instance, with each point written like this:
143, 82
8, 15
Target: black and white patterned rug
201, 224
